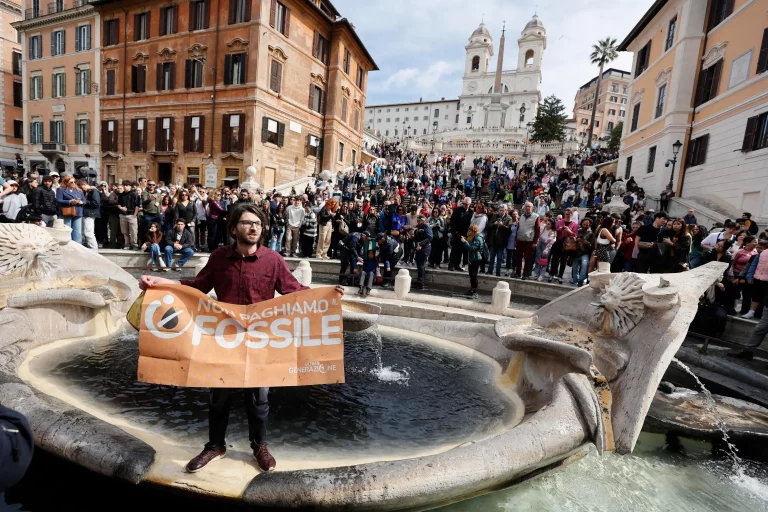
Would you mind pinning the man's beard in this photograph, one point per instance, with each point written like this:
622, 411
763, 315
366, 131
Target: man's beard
244, 240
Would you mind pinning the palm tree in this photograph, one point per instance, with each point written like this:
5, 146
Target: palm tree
604, 52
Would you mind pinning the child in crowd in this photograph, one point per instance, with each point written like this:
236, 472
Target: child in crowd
369, 268
546, 248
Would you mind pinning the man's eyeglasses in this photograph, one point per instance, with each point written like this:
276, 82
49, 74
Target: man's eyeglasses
250, 224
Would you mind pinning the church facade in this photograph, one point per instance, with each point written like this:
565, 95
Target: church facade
494, 105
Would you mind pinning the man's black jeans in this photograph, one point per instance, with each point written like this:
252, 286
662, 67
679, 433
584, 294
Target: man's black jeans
256, 406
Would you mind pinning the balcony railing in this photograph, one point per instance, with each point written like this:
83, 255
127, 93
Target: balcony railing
53, 146
53, 8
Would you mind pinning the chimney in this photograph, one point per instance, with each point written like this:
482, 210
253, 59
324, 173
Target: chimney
442, 99
421, 99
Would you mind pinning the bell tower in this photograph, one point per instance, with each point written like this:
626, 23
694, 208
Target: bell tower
531, 44
479, 52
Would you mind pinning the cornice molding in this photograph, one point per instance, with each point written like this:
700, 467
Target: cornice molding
277, 53
637, 96
12, 7
111, 63
663, 76
318, 80
714, 54
141, 58
237, 45
83, 11
167, 54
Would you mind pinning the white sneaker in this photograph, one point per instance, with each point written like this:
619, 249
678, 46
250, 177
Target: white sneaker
748, 315
540, 278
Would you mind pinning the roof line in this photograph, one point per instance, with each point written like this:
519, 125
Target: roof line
644, 21
344, 22
413, 103
604, 72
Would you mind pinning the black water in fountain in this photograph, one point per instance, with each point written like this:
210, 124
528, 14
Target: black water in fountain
425, 395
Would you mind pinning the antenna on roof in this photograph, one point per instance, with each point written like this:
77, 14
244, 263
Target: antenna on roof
482, 20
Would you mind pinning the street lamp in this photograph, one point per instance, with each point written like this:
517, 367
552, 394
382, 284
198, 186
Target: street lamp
675, 150
529, 127
406, 139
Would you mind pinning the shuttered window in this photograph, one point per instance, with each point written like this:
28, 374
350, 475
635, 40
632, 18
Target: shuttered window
635, 117
344, 109
111, 35
316, 99
643, 58
194, 134
718, 11
199, 15
164, 134
235, 68
139, 78
139, 130
756, 133
169, 20
83, 38
762, 58
109, 136
239, 11
320, 48
280, 17
697, 151
276, 76
709, 82
141, 24
111, 82
272, 131
166, 76
233, 133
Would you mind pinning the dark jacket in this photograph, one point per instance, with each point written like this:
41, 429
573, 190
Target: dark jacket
460, 220
353, 243
324, 216
499, 235
44, 200
185, 212
422, 236
64, 196
187, 238
130, 200
16, 446
92, 206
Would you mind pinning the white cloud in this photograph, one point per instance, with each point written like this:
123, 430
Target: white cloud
422, 81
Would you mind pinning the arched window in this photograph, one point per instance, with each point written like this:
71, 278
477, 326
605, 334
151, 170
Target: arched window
506, 88
529, 58
475, 63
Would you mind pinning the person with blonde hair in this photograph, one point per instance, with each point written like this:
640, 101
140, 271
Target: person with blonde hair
475, 245
325, 228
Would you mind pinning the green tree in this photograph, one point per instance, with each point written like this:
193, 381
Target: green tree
549, 125
604, 52
613, 145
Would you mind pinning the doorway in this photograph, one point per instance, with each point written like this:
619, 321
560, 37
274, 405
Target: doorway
269, 178
165, 172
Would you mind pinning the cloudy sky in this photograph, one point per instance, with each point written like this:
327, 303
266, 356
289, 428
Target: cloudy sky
419, 44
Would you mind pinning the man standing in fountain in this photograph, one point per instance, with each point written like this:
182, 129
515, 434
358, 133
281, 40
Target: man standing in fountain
246, 272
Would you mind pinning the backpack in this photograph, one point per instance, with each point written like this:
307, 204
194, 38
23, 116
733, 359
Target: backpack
343, 228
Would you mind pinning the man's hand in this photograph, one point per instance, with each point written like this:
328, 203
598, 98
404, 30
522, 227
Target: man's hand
177, 246
146, 282
340, 290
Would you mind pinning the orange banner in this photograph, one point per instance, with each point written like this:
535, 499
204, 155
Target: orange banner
188, 339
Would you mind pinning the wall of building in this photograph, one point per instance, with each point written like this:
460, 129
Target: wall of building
10, 12
585, 97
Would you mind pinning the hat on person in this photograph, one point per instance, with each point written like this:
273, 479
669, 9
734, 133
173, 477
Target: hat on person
421, 217
762, 241
53, 173
367, 234
103, 184
381, 236
11, 182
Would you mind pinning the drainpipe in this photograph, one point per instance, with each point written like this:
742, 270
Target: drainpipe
215, 76
125, 72
690, 127
327, 86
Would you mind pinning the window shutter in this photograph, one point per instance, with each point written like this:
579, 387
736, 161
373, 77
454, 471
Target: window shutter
749, 134
701, 156
133, 134
232, 8
40, 87
64, 41
315, 43
110, 82
134, 80
187, 132
77, 132
762, 59
136, 18
32, 88
281, 134
202, 134
192, 16
311, 96
264, 129
697, 100
107, 33
175, 19
227, 69
718, 67
87, 133
207, 14
243, 67
53, 42
247, 10
87, 81
64, 84
225, 146
159, 77
163, 18
287, 22
170, 135
87, 37
78, 42
144, 134
116, 32
323, 98
272, 13
274, 79
344, 109
105, 142
114, 139
188, 74
53, 86
78, 87
159, 134
143, 78
241, 134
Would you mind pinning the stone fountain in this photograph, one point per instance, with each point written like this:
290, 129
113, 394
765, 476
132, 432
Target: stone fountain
580, 373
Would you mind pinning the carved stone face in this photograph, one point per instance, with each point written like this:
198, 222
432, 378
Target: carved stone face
26, 250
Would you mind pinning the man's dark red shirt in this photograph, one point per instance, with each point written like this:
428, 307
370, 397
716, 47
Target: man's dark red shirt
244, 280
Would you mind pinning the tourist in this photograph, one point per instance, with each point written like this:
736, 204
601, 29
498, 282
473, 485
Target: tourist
438, 225
185, 210
499, 227
213, 218
199, 198
13, 202
154, 240
390, 252
128, 204
308, 231
475, 245
728, 233
749, 224
91, 212
585, 243
278, 222
325, 227
547, 238
459, 227
151, 203
340, 228
71, 200
112, 207
526, 241
16, 447
678, 243
758, 280
44, 201
294, 213
368, 268
566, 229
645, 243
698, 233
223, 274
422, 240
628, 249
371, 220
350, 253
179, 240
690, 218
604, 243
511, 241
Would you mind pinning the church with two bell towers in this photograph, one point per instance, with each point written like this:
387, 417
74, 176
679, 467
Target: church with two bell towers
495, 104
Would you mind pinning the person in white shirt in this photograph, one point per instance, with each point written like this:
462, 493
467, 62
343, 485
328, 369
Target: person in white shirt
295, 214
726, 234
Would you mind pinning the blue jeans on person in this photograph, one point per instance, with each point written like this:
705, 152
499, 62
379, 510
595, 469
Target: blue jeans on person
154, 253
149, 218
76, 223
185, 255
496, 254
277, 245
629, 266
579, 270
510, 259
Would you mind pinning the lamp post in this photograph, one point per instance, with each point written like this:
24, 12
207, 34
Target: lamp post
406, 139
529, 127
675, 150
434, 130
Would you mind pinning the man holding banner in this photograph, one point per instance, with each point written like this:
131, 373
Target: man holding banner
245, 273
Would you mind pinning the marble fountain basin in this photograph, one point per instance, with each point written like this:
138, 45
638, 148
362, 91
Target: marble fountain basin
433, 410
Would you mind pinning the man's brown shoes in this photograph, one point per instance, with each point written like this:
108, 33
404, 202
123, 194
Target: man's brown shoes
204, 458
